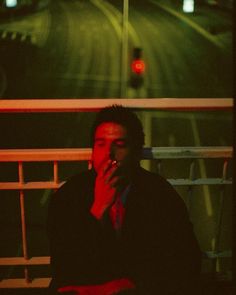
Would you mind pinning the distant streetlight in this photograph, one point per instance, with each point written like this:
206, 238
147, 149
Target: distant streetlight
124, 59
188, 6
11, 3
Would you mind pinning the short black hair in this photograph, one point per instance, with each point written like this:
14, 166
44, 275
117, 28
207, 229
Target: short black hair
124, 117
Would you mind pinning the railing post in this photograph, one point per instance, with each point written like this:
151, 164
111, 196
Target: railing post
220, 216
190, 188
23, 222
159, 166
55, 172
147, 127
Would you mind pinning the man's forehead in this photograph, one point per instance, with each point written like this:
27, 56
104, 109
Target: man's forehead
110, 129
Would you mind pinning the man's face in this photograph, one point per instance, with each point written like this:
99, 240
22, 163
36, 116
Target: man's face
110, 143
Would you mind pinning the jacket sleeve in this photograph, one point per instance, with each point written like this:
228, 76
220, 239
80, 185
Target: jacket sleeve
72, 235
170, 258
179, 258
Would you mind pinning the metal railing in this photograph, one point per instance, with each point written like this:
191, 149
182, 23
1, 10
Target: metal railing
56, 156
90, 105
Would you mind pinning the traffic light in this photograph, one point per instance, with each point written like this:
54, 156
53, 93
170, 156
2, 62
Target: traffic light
137, 68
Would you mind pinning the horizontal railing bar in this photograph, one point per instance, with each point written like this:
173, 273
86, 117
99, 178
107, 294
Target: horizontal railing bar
79, 105
40, 155
221, 254
21, 283
22, 261
200, 181
45, 260
187, 152
52, 185
29, 185
84, 154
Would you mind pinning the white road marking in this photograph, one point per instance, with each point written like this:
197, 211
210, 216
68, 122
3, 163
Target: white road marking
192, 24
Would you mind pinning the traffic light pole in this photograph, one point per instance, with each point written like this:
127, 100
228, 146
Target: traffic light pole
124, 55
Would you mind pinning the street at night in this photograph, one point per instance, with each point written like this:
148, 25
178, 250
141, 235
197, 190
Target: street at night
75, 51
87, 49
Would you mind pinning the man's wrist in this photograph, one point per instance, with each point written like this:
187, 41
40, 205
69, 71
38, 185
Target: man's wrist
118, 285
97, 212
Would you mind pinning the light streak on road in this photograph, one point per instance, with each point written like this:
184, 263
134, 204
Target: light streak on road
192, 24
113, 20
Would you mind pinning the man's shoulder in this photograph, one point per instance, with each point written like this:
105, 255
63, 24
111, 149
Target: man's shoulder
153, 178
157, 187
160, 195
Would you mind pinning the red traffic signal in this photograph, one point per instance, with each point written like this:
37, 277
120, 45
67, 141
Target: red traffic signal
138, 66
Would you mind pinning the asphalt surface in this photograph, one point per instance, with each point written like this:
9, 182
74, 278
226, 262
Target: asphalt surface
214, 20
207, 19
54, 33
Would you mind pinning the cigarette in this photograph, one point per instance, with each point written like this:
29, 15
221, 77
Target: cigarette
114, 162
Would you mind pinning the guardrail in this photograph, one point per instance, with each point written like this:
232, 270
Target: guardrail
90, 105
56, 156
60, 155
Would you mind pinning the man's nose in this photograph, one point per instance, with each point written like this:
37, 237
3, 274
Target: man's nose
112, 152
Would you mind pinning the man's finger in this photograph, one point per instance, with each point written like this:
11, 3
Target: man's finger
108, 166
112, 173
118, 183
110, 170
114, 181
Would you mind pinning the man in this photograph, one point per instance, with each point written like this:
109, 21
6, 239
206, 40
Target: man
117, 228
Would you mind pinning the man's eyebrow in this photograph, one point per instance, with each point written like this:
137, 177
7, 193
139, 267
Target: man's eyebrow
117, 139
121, 139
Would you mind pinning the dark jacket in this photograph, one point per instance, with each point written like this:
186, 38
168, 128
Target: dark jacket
156, 246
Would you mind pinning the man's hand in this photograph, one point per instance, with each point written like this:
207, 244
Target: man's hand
106, 188
109, 288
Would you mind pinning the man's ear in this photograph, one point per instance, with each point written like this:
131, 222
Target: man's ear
90, 164
90, 161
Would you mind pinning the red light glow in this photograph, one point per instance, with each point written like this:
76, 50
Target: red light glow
138, 66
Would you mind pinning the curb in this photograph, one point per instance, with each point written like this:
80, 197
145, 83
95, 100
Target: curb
11, 36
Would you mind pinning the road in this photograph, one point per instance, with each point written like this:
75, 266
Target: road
180, 62
81, 56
